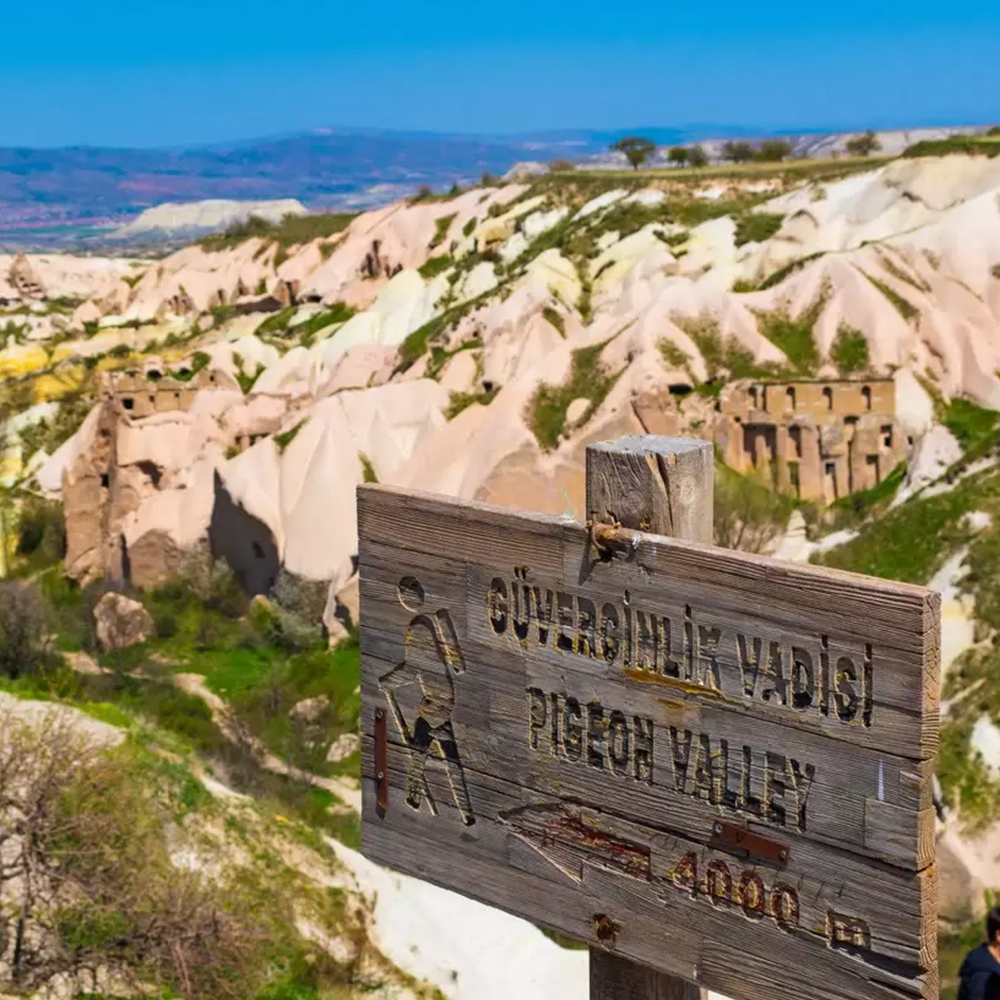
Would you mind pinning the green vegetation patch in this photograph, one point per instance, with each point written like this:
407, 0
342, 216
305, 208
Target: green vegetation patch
903, 306
967, 145
368, 473
277, 322
794, 336
589, 379
285, 438
441, 227
849, 351
756, 227
974, 426
852, 510
555, 318
459, 401
434, 266
291, 231
777, 277
909, 542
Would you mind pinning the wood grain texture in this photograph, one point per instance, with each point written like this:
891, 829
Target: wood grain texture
657, 484
553, 752
615, 978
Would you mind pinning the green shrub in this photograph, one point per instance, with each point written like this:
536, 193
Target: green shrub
794, 336
673, 355
459, 401
748, 515
470, 227
441, 227
285, 438
306, 331
850, 350
719, 354
850, 511
554, 317
199, 360
972, 425
277, 322
588, 379
434, 266
907, 543
967, 145
41, 533
756, 227
291, 231
367, 469
742, 285
25, 623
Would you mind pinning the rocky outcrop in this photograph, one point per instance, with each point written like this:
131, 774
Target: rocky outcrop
121, 622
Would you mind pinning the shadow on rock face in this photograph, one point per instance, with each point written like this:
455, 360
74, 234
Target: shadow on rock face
244, 541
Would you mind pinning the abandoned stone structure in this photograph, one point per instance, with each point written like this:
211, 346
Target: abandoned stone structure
144, 438
24, 279
819, 440
143, 393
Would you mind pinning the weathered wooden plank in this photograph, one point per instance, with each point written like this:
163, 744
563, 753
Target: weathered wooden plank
855, 665
696, 763
663, 894
584, 722
615, 978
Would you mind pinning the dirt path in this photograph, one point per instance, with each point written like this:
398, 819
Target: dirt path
344, 788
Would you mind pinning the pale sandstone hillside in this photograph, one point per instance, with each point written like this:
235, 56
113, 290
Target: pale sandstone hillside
234, 393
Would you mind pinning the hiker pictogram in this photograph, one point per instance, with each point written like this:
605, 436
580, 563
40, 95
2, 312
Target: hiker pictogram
432, 660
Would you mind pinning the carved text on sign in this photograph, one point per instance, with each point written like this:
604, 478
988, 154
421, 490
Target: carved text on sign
646, 645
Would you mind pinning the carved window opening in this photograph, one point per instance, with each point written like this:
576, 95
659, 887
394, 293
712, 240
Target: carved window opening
866, 395
828, 396
790, 393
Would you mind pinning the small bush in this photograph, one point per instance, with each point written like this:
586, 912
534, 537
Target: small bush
25, 624
995, 271
673, 355
367, 469
556, 319
284, 439
434, 266
756, 227
588, 379
470, 227
850, 350
276, 323
721, 356
748, 514
966, 145
459, 401
441, 227
972, 425
794, 336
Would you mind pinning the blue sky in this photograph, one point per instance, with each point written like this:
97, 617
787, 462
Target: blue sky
140, 73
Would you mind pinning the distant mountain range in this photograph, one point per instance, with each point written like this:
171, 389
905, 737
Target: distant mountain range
74, 196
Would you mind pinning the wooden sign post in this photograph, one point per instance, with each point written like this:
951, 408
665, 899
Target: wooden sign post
713, 767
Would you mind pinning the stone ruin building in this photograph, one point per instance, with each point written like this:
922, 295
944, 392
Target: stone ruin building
135, 449
25, 281
818, 440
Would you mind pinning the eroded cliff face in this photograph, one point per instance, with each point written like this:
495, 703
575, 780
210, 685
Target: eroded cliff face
475, 345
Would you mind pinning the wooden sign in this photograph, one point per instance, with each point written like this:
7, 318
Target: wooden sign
711, 763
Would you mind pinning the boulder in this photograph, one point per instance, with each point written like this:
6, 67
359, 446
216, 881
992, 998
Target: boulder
342, 748
121, 622
310, 711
